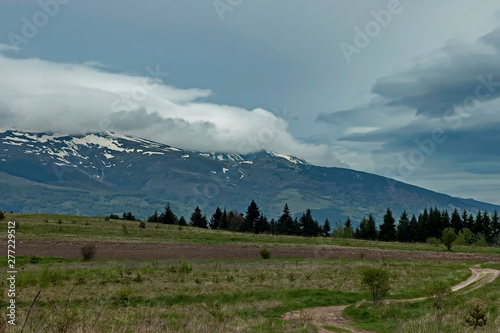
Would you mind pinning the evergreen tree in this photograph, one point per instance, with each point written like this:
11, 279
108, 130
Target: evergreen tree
456, 221
372, 228
362, 230
477, 227
262, 225
470, 222
182, 222
285, 223
198, 219
495, 225
403, 229
296, 228
215, 220
168, 216
412, 229
128, 216
422, 231
465, 220
251, 219
348, 231
224, 224
445, 220
308, 227
434, 224
153, 218
325, 230
273, 227
487, 228
388, 227
235, 220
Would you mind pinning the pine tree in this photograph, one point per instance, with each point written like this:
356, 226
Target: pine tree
412, 229
487, 228
308, 227
198, 220
224, 224
153, 218
445, 220
422, 231
372, 228
168, 216
495, 225
388, 228
477, 227
251, 219
262, 225
456, 221
285, 223
215, 220
182, 222
325, 230
465, 220
348, 231
403, 229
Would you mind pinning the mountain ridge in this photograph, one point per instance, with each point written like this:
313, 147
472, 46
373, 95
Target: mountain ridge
102, 173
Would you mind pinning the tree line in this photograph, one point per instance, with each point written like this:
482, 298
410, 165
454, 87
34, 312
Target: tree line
428, 225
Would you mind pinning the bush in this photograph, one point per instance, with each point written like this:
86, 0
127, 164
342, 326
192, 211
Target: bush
476, 317
265, 253
433, 241
34, 260
184, 267
440, 293
88, 251
449, 236
2, 215
142, 225
377, 282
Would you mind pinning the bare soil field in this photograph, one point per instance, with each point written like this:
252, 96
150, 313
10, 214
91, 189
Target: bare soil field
155, 251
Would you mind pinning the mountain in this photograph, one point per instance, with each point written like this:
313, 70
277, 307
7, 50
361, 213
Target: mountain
102, 173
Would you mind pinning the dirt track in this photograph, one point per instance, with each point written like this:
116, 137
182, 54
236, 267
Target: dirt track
332, 315
141, 251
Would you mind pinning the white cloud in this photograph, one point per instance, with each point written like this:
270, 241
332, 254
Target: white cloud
74, 98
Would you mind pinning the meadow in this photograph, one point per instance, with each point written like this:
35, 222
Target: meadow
243, 295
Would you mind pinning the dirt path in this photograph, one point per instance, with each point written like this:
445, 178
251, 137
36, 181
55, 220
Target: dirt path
156, 251
332, 315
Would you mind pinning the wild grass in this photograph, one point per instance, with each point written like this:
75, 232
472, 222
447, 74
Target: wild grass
63, 227
210, 296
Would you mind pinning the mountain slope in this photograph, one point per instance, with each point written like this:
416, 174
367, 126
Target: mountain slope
98, 174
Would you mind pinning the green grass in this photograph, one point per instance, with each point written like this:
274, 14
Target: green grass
422, 316
227, 295
335, 329
62, 227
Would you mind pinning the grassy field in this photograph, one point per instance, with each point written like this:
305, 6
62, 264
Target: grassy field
245, 295
55, 227
201, 296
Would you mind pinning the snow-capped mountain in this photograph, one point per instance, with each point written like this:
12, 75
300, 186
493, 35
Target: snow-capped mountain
102, 173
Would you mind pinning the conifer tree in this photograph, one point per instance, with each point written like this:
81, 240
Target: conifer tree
224, 224
182, 222
325, 230
215, 220
308, 227
153, 218
198, 219
412, 229
403, 228
388, 227
348, 231
168, 216
285, 222
456, 221
251, 219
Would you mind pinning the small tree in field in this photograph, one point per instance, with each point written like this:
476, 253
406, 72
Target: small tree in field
2, 216
377, 282
449, 236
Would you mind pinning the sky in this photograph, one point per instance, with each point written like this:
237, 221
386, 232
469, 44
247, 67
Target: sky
406, 89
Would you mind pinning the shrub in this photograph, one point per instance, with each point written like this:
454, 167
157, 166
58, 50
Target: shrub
34, 260
433, 241
449, 236
88, 251
440, 293
265, 253
184, 267
2, 215
476, 317
142, 225
124, 229
377, 282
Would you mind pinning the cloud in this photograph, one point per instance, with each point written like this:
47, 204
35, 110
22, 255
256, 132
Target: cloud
74, 98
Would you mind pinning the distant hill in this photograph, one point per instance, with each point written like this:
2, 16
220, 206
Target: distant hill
101, 173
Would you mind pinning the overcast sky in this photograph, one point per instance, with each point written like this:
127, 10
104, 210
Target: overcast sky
405, 89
